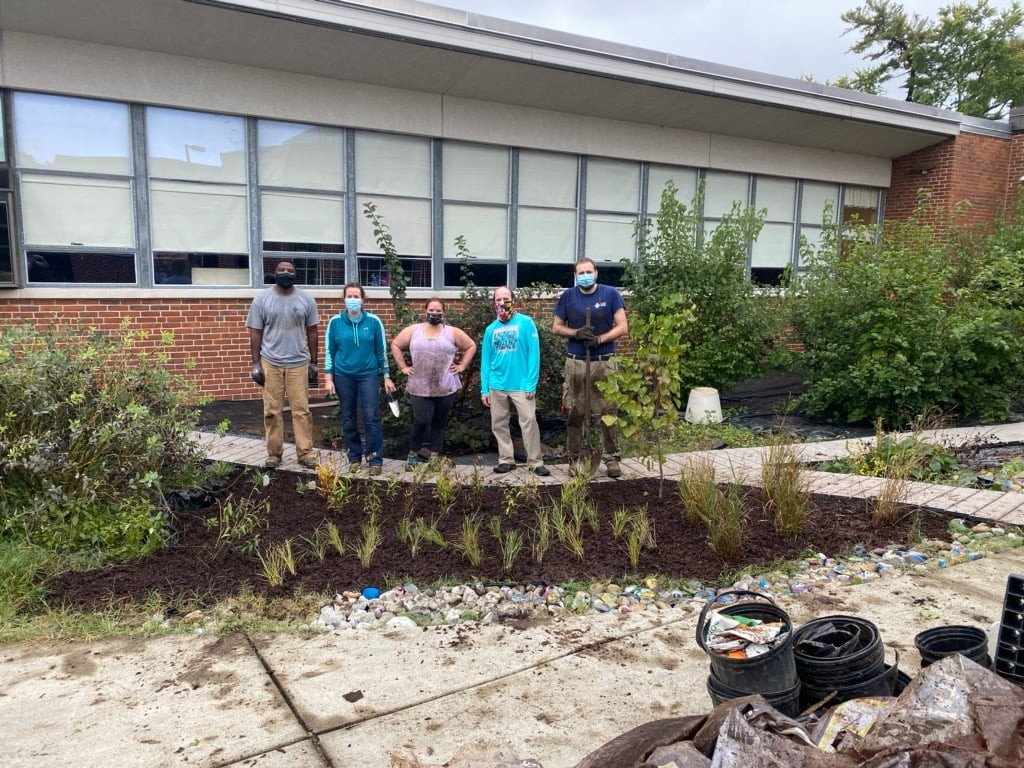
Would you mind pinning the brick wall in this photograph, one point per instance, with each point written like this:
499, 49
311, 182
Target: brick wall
211, 343
970, 169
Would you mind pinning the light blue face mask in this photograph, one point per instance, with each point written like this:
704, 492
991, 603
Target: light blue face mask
354, 305
585, 280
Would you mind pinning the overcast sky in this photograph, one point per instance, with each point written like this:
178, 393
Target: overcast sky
791, 38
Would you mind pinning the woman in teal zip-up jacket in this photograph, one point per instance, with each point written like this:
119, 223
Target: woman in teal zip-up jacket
356, 359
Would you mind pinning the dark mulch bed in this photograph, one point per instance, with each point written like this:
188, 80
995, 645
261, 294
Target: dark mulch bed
187, 568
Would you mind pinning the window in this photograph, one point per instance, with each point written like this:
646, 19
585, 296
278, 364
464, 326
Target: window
6, 254
613, 209
860, 205
546, 218
772, 252
393, 173
818, 206
301, 172
73, 159
658, 177
475, 191
198, 201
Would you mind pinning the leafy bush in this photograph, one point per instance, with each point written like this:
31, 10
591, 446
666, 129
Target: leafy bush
736, 322
645, 389
891, 455
912, 322
94, 429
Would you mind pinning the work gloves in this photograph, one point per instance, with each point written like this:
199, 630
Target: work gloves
258, 375
586, 336
314, 374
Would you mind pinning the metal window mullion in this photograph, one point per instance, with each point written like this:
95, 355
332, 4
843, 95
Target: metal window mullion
351, 244
140, 196
252, 193
437, 233
581, 208
512, 254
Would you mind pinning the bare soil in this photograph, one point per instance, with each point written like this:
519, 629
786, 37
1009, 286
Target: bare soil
192, 567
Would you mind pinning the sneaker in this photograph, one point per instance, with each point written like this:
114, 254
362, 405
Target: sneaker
411, 462
375, 469
309, 462
355, 466
540, 471
272, 462
424, 453
613, 469
501, 469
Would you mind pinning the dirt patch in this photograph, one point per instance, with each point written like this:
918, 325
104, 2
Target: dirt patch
190, 569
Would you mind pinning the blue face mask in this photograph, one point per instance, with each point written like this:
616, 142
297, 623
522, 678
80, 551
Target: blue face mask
354, 305
585, 280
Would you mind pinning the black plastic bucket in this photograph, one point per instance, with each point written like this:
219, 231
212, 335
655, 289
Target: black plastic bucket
885, 683
787, 702
939, 642
768, 673
841, 657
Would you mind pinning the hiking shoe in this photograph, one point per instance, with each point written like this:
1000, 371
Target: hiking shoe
272, 462
411, 462
424, 453
375, 469
355, 466
501, 469
540, 471
613, 469
309, 462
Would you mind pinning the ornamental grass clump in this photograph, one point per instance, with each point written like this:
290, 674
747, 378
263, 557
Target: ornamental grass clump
697, 490
786, 486
725, 526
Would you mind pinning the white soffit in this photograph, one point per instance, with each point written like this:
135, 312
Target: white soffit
415, 46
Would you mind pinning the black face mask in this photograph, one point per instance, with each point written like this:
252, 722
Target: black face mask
435, 318
284, 280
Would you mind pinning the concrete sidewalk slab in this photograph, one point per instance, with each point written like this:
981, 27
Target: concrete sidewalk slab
552, 690
550, 710
393, 670
139, 702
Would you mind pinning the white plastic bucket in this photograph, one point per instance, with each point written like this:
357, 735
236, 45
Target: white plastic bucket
703, 406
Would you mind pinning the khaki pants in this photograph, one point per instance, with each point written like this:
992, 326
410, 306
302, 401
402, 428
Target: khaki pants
291, 383
574, 400
526, 408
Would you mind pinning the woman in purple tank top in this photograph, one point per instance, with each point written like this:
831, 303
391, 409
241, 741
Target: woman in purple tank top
433, 381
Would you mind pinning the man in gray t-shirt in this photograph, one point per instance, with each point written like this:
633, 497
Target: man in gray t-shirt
285, 346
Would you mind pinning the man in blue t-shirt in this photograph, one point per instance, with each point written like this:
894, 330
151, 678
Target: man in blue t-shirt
509, 372
607, 316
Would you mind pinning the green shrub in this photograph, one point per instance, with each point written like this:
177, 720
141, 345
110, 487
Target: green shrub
912, 322
736, 322
94, 429
912, 457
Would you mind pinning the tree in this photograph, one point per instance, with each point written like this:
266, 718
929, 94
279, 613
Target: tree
736, 322
971, 59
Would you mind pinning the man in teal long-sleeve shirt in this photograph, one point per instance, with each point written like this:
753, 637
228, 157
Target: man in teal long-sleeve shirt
509, 370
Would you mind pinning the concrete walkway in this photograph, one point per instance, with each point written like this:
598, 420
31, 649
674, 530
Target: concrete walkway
740, 464
552, 691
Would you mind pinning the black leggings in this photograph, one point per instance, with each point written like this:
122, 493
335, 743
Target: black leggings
429, 419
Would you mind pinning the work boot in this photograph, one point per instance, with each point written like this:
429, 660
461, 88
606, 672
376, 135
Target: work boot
613, 468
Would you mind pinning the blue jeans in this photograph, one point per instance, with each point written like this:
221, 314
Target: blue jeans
362, 392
